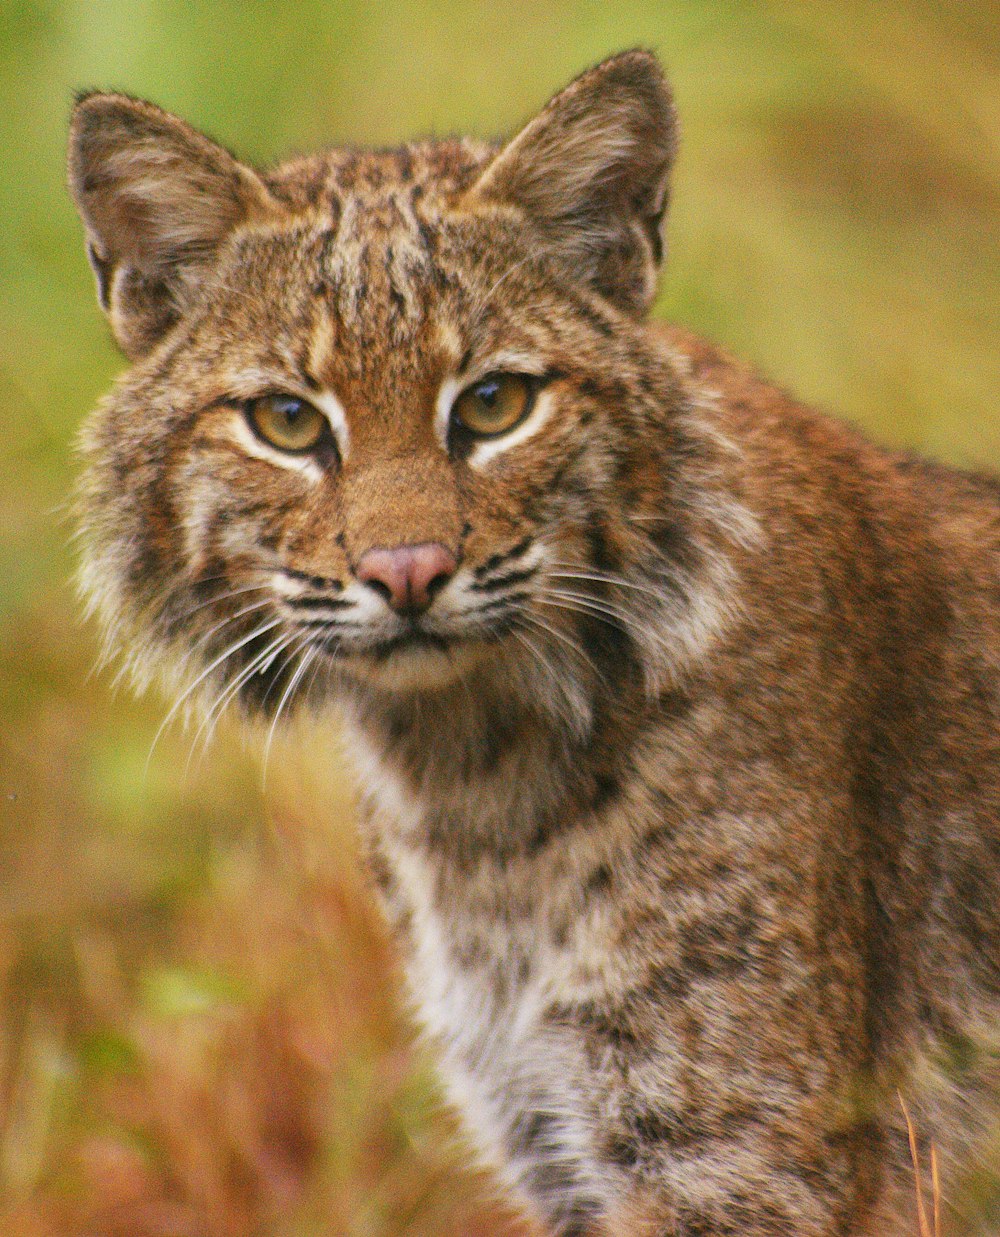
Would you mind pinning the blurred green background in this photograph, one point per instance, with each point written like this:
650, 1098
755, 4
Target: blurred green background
199, 1032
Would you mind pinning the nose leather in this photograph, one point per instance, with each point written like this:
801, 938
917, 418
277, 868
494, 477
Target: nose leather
407, 576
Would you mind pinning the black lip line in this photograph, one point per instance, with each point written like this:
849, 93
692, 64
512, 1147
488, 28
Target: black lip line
511, 599
499, 625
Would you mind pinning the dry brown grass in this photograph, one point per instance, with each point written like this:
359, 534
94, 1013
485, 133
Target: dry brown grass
265, 1084
932, 1227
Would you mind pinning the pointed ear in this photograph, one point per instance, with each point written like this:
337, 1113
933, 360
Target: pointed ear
157, 199
592, 172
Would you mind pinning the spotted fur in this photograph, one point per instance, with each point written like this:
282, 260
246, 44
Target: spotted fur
682, 796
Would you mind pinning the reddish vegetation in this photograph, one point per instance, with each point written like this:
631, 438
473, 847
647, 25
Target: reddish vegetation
270, 1085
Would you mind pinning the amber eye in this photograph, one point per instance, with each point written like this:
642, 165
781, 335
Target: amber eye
285, 422
494, 404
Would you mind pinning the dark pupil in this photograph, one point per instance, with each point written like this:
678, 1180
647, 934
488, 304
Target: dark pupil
489, 393
289, 411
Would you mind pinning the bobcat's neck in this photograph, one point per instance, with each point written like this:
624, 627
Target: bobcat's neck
489, 768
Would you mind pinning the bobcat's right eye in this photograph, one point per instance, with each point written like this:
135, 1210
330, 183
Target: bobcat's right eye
286, 422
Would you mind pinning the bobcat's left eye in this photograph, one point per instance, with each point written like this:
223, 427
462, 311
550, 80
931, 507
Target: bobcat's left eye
494, 404
288, 423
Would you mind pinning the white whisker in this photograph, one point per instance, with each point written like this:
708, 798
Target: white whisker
258, 665
524, 639
575, 649
304, 663
484, 300
613, 615
196, 649
592, 605
233, 648
603, 577
219, 598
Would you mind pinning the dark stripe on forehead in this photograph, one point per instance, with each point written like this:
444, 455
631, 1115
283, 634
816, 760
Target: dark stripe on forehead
361, 279
422, 233
397, 290
379, 267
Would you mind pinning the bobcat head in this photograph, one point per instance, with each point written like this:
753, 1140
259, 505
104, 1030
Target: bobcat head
394, 418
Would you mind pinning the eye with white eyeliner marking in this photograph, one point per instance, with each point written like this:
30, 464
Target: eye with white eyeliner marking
286, 422
494, 405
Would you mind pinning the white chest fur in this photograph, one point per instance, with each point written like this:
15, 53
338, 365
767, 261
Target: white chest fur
484, 974
508, 1070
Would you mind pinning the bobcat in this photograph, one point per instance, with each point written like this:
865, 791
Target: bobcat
675, 704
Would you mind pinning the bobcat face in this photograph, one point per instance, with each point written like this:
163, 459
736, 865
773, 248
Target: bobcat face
394, 417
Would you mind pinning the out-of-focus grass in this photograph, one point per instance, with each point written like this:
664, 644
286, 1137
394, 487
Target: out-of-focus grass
200, 1033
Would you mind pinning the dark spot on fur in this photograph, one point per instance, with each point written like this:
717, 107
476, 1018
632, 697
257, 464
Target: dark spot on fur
143, 567
558, 482
539, 838
607, 788
612, 1025
653, 1126
599, 881
580, 1223
382, 874
721, 944
665, 985
529, 1130
594, 319
689, 1223
493, 744
608, 645
659, 838
622, 1149
672, 704
427, 240
469, 953
601, 555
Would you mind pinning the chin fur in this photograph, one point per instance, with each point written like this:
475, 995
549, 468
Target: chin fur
415, 669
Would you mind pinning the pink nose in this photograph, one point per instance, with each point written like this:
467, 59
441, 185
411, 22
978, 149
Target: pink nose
409, 575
